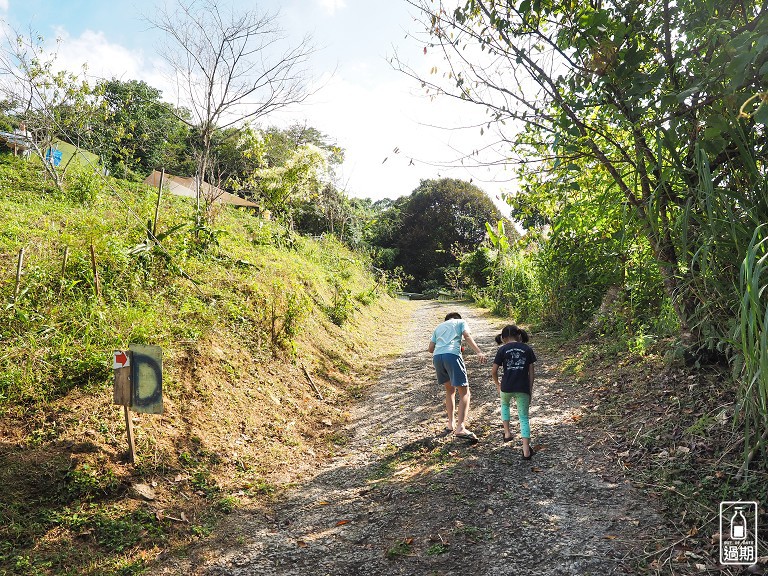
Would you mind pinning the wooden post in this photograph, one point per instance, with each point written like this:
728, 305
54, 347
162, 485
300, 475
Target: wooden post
157, 206
122, 388
312, 382
19, 266
64, 262
197, 209
129, 431
97, 283
122, 394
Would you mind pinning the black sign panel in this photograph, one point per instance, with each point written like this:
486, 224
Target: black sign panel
147, 364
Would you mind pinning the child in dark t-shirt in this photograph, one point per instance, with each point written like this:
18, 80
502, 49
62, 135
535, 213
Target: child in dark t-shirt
516, 358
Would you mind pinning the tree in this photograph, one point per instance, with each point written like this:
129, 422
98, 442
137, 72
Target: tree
290, 171
228, 67
139, 131
281, 143
440, 221
640, 89
51, 104
668, 100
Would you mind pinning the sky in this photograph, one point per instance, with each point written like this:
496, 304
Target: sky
392, 133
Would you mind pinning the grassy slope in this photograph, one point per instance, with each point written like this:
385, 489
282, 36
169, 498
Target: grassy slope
240, 418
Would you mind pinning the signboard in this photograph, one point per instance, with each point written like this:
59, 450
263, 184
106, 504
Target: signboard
147, 392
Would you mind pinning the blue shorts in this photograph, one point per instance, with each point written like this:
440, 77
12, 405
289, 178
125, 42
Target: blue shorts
450, 367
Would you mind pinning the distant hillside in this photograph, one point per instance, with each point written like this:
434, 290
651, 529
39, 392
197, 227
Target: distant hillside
247, 313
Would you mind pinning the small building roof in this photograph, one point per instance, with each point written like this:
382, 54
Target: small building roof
182, 186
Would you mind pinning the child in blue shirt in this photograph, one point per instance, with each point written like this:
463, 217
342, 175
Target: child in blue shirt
445, 346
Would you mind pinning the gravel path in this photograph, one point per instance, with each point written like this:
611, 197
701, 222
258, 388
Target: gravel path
404, 499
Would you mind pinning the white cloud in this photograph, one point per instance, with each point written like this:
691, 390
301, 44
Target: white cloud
4, 5
331, 6
106, 60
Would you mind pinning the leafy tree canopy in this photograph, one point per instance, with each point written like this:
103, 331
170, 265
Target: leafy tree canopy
440, 221
138, 132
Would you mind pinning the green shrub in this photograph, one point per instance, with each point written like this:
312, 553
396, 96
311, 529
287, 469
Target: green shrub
82, 184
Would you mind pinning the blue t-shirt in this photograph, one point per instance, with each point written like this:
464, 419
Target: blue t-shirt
447, 336
516, 358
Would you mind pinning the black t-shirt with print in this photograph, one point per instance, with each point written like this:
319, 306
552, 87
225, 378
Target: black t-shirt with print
515, 358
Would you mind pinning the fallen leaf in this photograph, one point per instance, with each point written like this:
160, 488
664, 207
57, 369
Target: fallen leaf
301, 544
609, 537
322, 503
342, 522
534, 469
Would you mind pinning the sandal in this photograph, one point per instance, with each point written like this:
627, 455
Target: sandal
467, 436
530, 455
508, 438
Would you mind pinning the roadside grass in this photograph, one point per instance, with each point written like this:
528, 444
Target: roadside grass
241, 310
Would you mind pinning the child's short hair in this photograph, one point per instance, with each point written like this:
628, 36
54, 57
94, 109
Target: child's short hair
452, 316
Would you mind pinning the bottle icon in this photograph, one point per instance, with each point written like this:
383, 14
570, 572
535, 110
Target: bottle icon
738, 525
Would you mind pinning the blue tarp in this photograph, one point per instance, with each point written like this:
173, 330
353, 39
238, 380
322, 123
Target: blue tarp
55, 153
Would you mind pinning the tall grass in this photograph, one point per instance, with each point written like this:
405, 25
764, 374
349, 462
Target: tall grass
753, 368
723, 244
515, 290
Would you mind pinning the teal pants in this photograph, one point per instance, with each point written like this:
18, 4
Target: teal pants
523, 402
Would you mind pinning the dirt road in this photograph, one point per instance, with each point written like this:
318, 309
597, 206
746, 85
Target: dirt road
404, 499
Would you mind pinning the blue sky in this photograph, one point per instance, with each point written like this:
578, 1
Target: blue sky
362, 103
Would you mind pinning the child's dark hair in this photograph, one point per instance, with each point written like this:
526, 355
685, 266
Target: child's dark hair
452, 316
498, 339
512, 331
